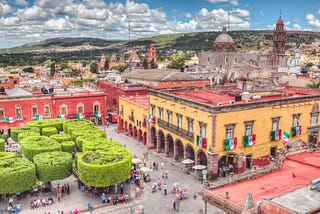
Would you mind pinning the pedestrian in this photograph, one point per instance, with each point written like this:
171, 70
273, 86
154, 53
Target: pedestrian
154, 165
103, 198
177, 205
121, 188
165, 189
162, 166
166, 173
194, 196
11, 201
174, 205
157, 165
68, 188
90, 207
116, 189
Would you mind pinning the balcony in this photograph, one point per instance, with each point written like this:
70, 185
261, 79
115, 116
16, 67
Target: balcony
175, 129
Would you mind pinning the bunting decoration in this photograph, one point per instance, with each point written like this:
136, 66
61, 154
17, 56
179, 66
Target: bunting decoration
230, 143
39, 117
97, 114
285, 137
80, 115
61, 116
276, 135
296, 131
249, 140
9, 120
201, 141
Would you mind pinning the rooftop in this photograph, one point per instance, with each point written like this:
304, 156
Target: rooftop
159, 75
141, 100
282, 186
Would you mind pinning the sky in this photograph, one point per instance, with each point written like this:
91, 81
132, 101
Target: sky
25, 21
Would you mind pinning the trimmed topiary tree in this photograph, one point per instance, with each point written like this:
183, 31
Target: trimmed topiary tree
71, 125
6, 155
102, 169
57, 123
28, 133
2, 145
100, 144
48, 131
51, 166
61, 137
4, 136
17, 130
68, 146
16, 175
33, 145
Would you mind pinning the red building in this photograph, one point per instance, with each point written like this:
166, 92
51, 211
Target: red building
19, 106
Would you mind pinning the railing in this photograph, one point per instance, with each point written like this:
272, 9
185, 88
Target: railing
177, 130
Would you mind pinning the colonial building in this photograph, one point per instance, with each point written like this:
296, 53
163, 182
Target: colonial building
223, 62
152, 55
133, 116
19, 106
230, 128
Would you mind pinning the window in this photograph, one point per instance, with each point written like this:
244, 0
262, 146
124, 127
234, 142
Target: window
169, 117
202, 129
153, 110
314, 114
18, 113
296, 120
314, 119
2, 117
248, 128
179, 121
160, 113
190, 125
96, 107
275, 123
131, 117
80, 108
34, 111
121, 111
144, 123
230, 131
46, 110
63, 109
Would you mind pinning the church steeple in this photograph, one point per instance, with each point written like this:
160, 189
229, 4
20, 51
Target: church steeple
279, 37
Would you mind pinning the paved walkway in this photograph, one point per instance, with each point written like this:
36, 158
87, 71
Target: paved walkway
152, 203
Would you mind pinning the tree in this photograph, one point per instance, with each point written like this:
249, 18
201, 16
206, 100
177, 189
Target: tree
106, 64
28, 69
177, 62
153, 65
145, 63
94, 67
52, 69
120, 68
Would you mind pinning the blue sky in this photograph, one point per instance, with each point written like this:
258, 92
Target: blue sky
24, 21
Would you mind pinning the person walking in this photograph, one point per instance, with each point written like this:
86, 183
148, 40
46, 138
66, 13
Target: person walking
165, 188
174, 205
90, 207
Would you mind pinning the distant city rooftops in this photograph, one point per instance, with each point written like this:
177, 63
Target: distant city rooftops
141, 100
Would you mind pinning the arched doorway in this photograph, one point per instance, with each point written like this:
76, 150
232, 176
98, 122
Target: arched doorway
228, 163
153, 138
201, 158
125, 126
121, 125
169, 146
189, 152
139, 135
135, 132
130, 130
161, 141
178, 150
144, 141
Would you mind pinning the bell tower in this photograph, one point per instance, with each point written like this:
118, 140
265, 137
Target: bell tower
279, 38
152, 54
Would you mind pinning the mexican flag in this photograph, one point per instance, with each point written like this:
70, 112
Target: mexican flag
230, 143
9, 120
61, 116
285, 137
201, 141
296, 131
38, 117
249, 140
97, 114
151, 118
275, 135
80, 116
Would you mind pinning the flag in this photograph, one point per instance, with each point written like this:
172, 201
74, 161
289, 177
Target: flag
9, 120
61, 116
249, 140
198, 140
80, 116
151, 119
38, 117
201, 141
296, 131
97, 114
285, 137
275, 135
230, 143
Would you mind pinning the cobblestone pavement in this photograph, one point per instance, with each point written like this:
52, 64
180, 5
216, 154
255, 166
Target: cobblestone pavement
153, 203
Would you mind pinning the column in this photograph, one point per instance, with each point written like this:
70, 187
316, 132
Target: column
166, 148
175, 151
158, 143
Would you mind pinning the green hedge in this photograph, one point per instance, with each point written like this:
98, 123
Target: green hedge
6, 155
71, 125
28, 133
102, 169
4, 136
100, 145
33, 145
2, 145
83, 131
17, 130
61, 137
16, 175
57, 123
68, 146
48, 131
51, 166
88, 138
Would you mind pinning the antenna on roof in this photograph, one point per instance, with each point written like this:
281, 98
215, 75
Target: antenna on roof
280, 13
229, 20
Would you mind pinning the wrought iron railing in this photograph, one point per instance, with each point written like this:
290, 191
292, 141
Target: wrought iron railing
176, 129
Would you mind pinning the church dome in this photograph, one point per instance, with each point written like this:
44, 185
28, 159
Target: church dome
224, 42
224, 37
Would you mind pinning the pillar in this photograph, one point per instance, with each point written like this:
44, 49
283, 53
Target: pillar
212, 165
205, 207
158, 143
175, 151
166, 148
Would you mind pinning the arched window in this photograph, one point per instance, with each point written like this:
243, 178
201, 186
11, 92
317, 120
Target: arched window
64, 109
80, 108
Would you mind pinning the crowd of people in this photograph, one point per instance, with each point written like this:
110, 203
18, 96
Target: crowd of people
41, 202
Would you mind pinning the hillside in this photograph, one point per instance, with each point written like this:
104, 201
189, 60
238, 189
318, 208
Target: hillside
93, 48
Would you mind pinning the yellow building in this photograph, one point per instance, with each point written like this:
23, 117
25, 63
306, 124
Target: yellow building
133, 116
229, 130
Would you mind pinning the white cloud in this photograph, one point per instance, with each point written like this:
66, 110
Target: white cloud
21, 2
241, 13
312, 21
58, 24
4, 9
33, 13
296, 20
232, 2
187, 15
296, 27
